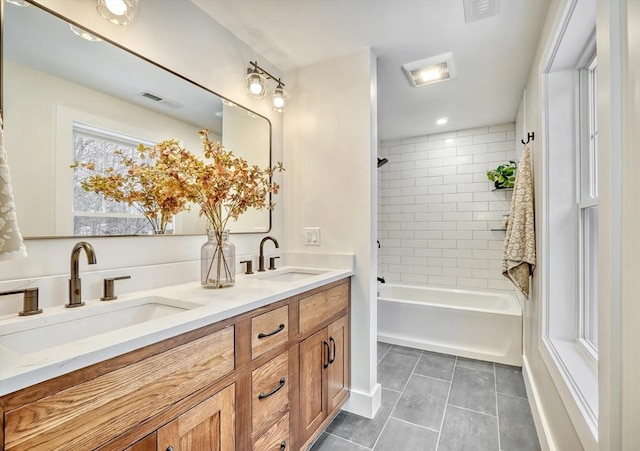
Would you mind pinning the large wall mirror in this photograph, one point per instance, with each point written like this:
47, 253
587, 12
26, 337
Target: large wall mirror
68, 98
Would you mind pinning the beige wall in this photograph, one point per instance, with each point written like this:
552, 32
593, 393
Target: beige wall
330, 143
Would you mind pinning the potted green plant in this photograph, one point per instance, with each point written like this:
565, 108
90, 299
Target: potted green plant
504, 176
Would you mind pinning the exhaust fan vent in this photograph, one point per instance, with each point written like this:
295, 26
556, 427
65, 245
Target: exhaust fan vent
153, 97
167, 103
479, 9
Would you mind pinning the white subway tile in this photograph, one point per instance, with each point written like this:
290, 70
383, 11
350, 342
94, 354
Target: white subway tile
445, 135
457, 235
457, 142
390, 192
449, 152
415, 244
480, 168
428, 270
428, 235
482, 177
502, 127
408, 234
458, 272
428, 145
413, 278
490, 157
401, 166
487, 274
411, 260
442, 189
426, 252
393, 175
430, 198
399, 250
489, 137
401, 217
464, 178
415, 190
457, 216
471, 282
472, 187
401, 268
413, 173
471, 150
414, 208
472, 244
401, 183
487, 215
414, 225
473, 131
497, 245
442, 244
500, 205
430, 163
443, 207
429, 181
415, 139
501, 285
454, 161
511, 135
456, 253
401, 200
472, 206
486, 254
437, 216
441, 280
486, 196
442, 262
472, 263
446, 170
390, 142
487, 235
501, 146
434, 225
463, 197
390, 259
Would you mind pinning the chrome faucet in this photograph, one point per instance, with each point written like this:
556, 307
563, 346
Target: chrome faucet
75, 288
261, 258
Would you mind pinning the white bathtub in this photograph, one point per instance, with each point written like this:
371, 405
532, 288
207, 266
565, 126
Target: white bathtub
476, 324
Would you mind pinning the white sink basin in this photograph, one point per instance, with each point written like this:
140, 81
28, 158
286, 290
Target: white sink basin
37, 333
290, 274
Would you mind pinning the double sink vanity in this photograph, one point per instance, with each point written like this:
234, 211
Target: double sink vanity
262, 365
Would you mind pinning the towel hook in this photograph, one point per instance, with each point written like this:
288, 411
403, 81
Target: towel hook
530, 136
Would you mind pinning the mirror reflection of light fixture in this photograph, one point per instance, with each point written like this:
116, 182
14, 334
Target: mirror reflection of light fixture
256, 84
18, 3
84, 34
119, 12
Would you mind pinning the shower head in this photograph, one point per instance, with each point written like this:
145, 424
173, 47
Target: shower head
382, 162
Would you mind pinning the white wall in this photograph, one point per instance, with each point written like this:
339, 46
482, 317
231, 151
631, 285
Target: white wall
330, 144
437, 208
179, 36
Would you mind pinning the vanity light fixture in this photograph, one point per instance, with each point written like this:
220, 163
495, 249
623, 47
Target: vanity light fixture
119, 12
430, 70
256, 84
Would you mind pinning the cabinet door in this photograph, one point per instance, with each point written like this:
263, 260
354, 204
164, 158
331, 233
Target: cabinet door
338, 370
313, 362
146, 444
208, 426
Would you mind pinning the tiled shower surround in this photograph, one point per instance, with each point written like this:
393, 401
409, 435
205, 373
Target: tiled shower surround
436, 208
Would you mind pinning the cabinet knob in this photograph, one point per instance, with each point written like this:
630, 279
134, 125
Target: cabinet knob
169, 448
283, 446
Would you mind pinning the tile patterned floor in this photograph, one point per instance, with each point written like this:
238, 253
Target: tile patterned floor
439, 402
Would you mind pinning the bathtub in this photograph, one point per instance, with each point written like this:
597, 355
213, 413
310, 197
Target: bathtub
481, 325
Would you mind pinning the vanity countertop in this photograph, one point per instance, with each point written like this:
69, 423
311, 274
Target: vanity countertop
20, 370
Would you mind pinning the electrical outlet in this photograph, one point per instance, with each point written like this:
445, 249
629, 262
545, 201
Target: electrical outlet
312, 236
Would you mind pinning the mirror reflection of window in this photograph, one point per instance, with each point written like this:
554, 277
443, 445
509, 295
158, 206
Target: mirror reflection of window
92, 213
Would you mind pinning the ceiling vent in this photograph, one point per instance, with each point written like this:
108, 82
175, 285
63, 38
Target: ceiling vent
162, 101
479, 9
430, 70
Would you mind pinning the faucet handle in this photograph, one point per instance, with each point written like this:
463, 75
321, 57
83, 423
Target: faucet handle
249, 269
272, 263
29, 302
109, 288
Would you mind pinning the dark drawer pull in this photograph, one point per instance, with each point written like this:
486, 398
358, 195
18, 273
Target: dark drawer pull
268, 334
283, 446
331, 359
263, 395
325, 365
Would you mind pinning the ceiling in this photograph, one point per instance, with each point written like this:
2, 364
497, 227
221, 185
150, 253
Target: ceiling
493, 56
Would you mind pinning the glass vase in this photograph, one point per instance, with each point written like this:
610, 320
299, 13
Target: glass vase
217, 260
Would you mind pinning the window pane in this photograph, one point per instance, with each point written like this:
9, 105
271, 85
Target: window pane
590, 275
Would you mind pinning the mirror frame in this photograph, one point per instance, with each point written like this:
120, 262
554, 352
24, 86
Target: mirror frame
160, 66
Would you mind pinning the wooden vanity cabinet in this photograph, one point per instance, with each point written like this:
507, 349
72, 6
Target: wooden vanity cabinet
267, 380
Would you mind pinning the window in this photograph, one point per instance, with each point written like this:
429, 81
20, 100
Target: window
588, 210
92, 213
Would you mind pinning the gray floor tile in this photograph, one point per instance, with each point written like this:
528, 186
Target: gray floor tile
436, 365
382, 349
474, 364
400, 436
517, 430
361, 430
509, 380
394, 370
423, 402
328, 442
468, 431
405, 350
474, 390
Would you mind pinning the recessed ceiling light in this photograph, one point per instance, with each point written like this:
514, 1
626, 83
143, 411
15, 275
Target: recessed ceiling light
442, 121
430, 70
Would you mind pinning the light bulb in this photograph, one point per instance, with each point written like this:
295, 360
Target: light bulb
117, 7
279, 99
430, 75
255, 87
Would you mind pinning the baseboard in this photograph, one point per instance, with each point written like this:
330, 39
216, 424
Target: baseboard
539, 417
364, 404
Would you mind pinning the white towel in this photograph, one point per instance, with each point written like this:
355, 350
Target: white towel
519, 252
11, 244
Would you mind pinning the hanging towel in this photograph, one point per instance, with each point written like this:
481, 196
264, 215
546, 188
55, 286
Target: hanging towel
519, 252
11, 244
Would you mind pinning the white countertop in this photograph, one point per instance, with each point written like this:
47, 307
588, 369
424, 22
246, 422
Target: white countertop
20, 370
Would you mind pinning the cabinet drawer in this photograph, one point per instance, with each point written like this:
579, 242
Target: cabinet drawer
269, 392
93, 412
316, 309
269, 330
276, 438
